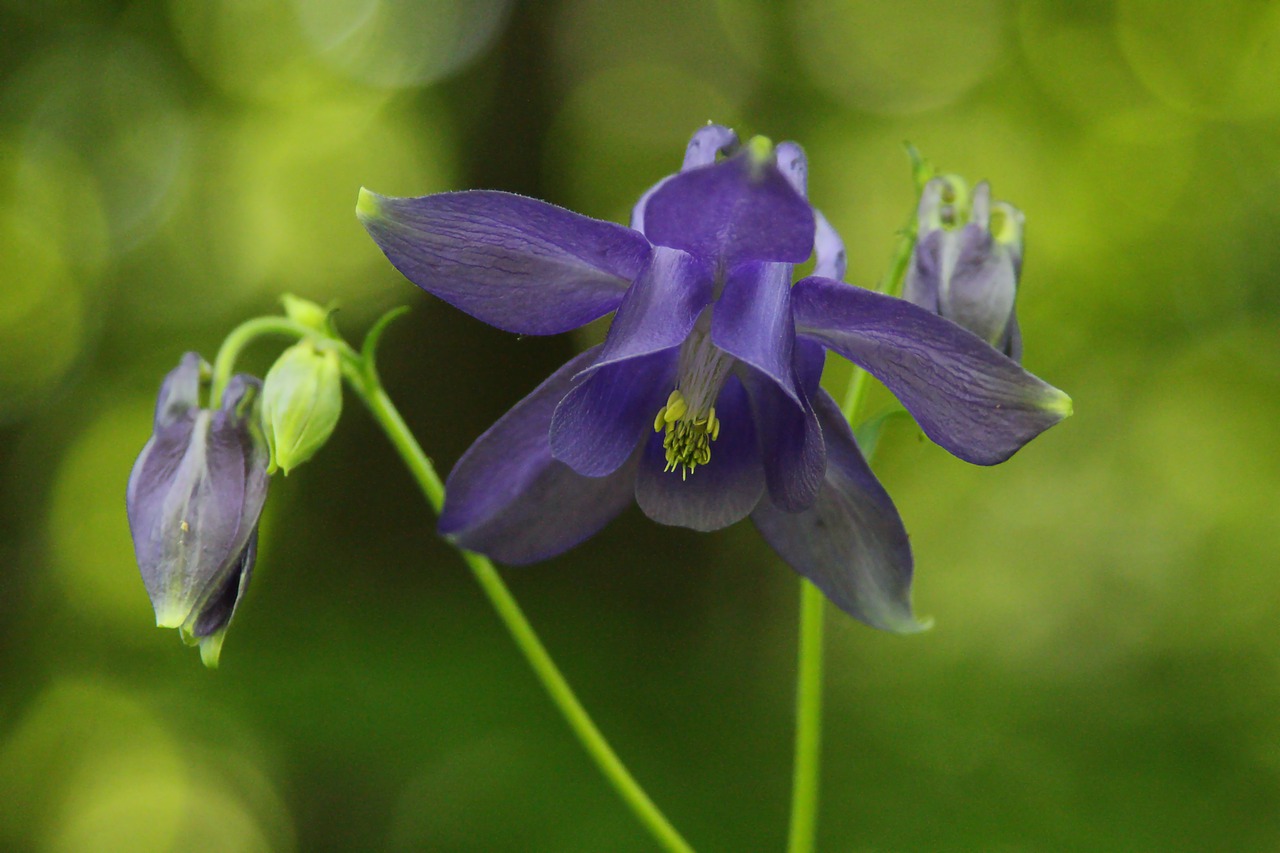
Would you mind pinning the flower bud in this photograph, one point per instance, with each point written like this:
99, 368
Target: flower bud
194, 498
967, 260
306, 313
301, 402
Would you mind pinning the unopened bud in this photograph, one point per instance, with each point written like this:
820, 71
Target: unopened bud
301, 402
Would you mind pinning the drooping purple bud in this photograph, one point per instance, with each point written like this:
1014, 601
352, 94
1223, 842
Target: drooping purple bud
194, 498
967, 260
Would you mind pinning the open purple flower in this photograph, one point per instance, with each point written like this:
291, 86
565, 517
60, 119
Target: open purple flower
194, 498
703, 402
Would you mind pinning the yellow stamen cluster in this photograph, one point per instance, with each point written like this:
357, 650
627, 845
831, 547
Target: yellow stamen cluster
689, 436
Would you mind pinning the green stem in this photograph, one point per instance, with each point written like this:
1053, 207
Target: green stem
365, 383
808, 744
363, 379
804, 790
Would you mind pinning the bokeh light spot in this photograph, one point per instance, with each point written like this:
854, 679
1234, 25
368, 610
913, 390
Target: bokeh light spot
41, 315
393, 43
88, 533
903, 57
1218, 59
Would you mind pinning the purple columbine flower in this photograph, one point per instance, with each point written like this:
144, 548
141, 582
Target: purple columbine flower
703, 402
194, 498
967, 260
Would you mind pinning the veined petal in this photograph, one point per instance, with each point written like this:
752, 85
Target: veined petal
740, 209
752, 321
716, 494
510, 499
516, 263
966, 396
850, 543
661, 307
602, 419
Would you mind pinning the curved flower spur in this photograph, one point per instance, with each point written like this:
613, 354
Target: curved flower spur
703, 402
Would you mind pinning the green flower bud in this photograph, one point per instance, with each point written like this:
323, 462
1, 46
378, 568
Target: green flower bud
301, 402
306, 312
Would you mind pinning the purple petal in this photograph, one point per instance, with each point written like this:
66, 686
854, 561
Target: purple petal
965, 395
180, 391
508, 498
791, 443
660, 309
980, 290
516, 263
830, 260
851, 543
740, 209
924, 271
1011, 344
193, 500
714, 495
599, 423
752, 321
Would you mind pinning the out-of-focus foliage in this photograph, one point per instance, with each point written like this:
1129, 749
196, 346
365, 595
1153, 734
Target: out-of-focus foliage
1104, 670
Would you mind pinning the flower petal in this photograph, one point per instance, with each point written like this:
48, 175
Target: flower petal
790, 439
794, 166
741, 209
980, 291
830, 260
966, 396
510, 499
516, 263
924, 271
714, 495
603, 418
660, 309
180, 391
851, 543
752, 321
705, 145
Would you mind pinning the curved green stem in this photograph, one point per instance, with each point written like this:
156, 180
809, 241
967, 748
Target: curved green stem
365, 383
243, 335
362, 377
808, 743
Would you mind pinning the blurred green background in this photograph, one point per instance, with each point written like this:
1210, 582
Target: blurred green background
1105, 669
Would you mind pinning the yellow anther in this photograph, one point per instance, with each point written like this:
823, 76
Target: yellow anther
687, 443
676, 407
661, 420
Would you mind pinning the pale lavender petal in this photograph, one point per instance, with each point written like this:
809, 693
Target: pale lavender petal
980, 290
660, 309
510, 499
830, 260
850, 543
1011, 344
924, 271
516, 263
180, 391
752, 322
737, 210
603, 418
794, 166
965, 395
714, 495
706, 144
